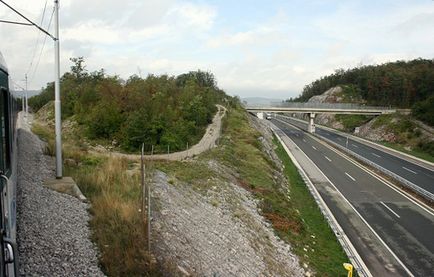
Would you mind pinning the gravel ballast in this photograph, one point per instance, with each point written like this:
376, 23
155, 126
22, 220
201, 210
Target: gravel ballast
53, 235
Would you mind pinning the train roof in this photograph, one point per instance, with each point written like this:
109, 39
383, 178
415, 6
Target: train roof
3, 65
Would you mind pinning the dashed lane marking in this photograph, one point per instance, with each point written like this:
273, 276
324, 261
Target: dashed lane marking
351, 177
378, 156
327, 158
414, 172
392, 211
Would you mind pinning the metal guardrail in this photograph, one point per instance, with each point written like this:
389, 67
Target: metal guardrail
426, 194
334, 225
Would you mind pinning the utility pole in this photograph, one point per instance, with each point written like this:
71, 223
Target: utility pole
57, 111
26, 102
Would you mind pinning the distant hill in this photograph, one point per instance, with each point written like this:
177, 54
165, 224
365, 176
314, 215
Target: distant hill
260, 100
30, 93
402, 84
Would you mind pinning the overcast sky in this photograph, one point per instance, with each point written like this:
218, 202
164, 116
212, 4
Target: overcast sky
254, 48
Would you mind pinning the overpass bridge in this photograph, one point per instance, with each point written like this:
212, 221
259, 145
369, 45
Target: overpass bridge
313, 108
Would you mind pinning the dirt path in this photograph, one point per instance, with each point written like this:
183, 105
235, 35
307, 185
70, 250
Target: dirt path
208, 141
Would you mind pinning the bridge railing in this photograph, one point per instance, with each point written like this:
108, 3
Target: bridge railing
309, 105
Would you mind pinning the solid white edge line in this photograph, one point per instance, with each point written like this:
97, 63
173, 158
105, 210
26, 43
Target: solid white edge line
414, 172
351, 177
392, 211
347, 240
361, 217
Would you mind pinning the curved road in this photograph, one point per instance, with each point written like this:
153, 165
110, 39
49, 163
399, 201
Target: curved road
405, 227
416, 174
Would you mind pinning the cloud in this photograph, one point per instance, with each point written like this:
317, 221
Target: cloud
261, 48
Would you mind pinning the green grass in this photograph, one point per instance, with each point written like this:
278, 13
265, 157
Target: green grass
46, 135
352, 121
329, 255
415, 152
118, 227
295, 220
115, 195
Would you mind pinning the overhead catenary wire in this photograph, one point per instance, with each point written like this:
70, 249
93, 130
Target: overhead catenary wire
28, 20
15, 22
42, 48
38, 36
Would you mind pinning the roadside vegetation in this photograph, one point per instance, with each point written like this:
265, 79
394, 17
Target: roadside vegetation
112, 186
350, 122
159, 111
291, 210
399, 84
408, 137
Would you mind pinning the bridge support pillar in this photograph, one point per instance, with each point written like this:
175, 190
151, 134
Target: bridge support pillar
311, 125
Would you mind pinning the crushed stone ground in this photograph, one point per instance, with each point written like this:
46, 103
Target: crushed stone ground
53, 235
217, 234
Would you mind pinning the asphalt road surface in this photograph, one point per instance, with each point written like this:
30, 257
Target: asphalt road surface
405, 227
418, 175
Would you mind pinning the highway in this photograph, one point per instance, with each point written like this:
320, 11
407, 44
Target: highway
404, 226
416, 174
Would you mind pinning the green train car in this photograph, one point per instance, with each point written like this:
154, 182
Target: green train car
8, 175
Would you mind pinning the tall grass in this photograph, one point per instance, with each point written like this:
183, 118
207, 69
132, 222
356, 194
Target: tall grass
117, 223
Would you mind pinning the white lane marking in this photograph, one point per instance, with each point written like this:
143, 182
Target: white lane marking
392, 211
304, 140
357, 212
384, 181
354, 145
409, 170
314, 147
378, 156
338, 138
328, 159
351, 177
332, 217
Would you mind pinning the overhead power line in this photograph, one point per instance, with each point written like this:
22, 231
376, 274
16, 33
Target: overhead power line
42, 48
15, 22
38, 36
28, 20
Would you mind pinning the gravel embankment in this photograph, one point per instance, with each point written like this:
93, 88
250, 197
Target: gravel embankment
53, 235
217, 234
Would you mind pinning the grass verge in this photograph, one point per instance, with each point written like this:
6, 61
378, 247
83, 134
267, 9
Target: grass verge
414, 152
113, 187
329, 255
297, 219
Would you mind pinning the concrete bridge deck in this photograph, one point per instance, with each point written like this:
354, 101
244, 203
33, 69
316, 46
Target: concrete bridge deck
341, 108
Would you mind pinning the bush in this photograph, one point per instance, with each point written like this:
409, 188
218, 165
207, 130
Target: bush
424, 110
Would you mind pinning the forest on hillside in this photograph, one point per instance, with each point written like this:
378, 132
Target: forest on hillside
402, 84
156, 110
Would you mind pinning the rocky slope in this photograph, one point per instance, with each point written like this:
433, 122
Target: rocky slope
396, 128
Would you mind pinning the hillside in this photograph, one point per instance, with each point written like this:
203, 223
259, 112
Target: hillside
399, 84
159, 111
401, 131
238, 208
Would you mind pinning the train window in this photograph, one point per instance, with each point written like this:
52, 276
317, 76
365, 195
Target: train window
4, 129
